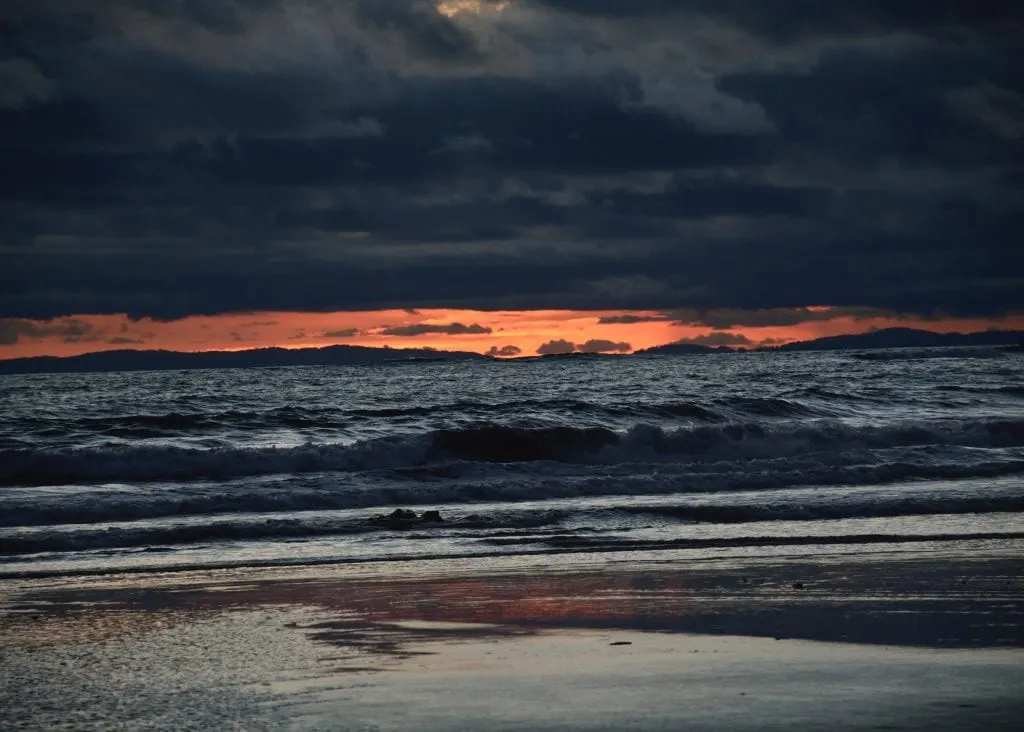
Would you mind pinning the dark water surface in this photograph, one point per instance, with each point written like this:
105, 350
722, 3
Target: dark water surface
746, 453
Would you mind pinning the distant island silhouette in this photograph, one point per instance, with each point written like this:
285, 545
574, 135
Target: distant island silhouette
156, 360
887, 338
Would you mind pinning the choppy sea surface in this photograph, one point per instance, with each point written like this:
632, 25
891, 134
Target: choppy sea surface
753, 454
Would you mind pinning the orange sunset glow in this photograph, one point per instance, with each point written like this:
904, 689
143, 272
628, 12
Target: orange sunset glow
467, 330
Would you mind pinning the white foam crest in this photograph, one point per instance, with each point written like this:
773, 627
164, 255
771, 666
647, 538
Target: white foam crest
38, 507
488, 443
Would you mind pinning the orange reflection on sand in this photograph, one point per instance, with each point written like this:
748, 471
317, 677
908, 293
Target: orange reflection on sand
607, 598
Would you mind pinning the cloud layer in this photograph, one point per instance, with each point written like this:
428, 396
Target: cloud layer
443, 329
685, 156
561, 347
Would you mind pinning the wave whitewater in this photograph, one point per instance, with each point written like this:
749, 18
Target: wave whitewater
502, 523
119, 505
172, 424
490, 443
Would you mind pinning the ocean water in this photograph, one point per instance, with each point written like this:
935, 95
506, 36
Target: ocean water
751, 454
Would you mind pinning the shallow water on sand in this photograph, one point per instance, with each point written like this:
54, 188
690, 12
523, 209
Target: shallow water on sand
923, 643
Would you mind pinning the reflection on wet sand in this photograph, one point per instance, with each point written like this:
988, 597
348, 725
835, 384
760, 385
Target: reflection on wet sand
954, 604
423, 645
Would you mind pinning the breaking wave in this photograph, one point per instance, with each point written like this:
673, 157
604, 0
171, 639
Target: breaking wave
176, 424
328, 494
503, 522
489, 443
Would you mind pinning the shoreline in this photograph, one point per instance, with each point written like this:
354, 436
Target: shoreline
635, 640
164, 559
774, 596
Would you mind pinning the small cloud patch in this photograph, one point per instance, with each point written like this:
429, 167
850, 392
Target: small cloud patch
442, 329
556, 348
504, 351
599, 345
343, 333
595, 345
630, 319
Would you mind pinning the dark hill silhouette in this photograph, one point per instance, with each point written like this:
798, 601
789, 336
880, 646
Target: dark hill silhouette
142, 360
907, 338
888, 338
139, 360
684, 349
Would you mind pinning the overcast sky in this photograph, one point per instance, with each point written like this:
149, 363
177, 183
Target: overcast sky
167, 158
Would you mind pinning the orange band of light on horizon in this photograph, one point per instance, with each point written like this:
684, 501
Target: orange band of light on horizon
480, 331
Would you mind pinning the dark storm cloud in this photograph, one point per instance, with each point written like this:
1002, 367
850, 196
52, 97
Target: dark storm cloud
726, 318
219, 16
687, 198
421, 26
707, 158
852, 106
446, 329
770, 317
790, 20
589, 135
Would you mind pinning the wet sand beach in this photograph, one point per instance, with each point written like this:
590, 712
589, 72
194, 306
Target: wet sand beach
616, 641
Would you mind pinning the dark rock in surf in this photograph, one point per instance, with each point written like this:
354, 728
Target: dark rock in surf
402, 518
